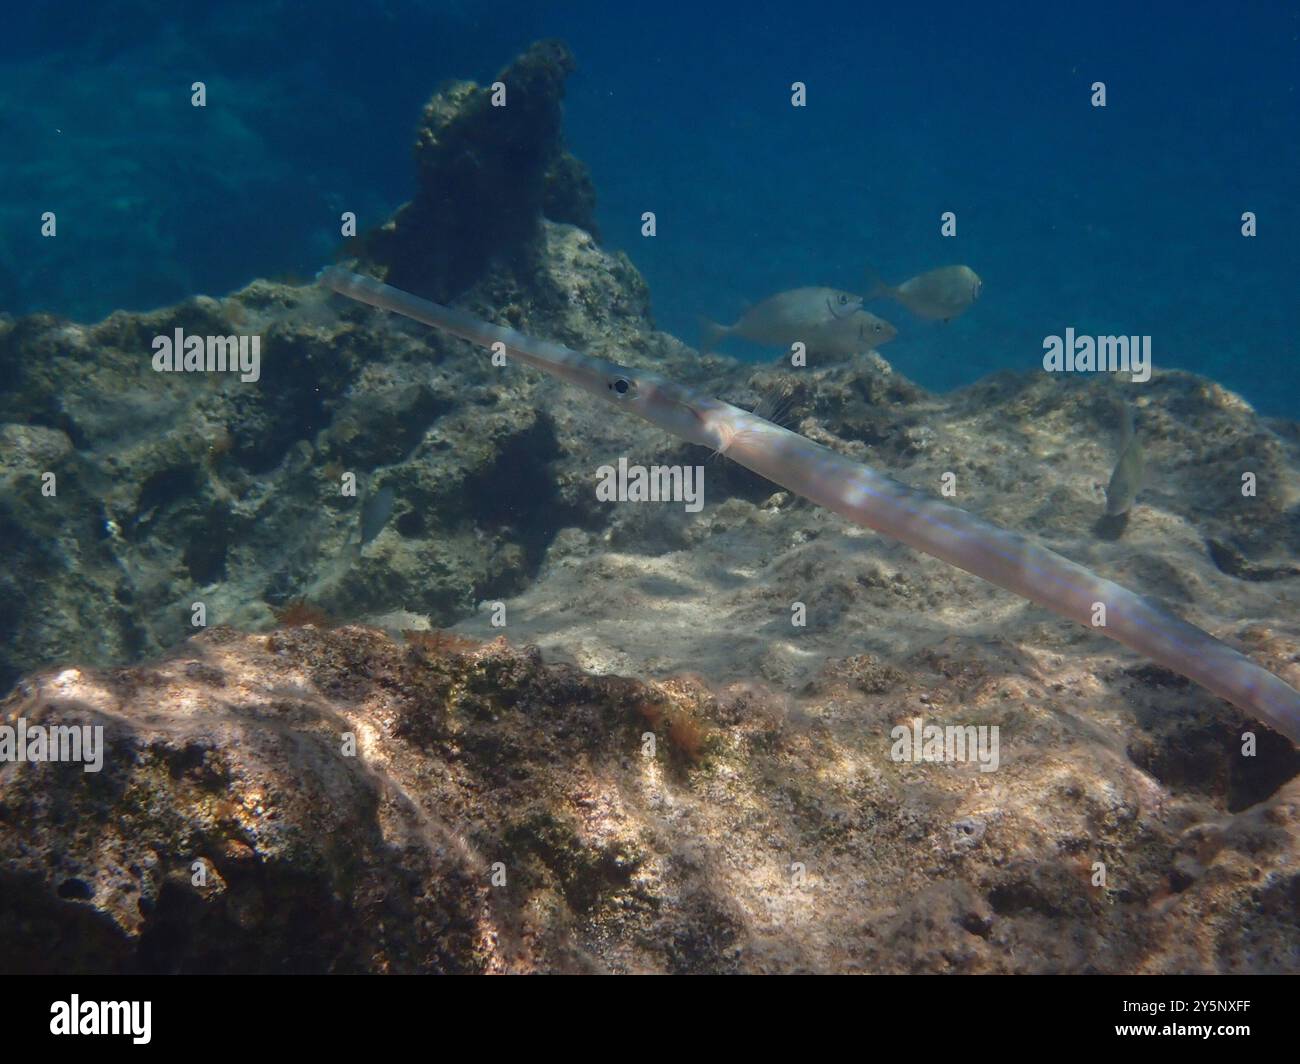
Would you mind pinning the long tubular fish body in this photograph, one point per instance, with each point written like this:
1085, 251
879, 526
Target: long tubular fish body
1016, 563
869, 498
652, 397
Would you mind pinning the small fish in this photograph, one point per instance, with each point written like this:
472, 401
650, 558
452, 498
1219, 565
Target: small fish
787, 317
1126, 481
944, 293
862, 331
375, 512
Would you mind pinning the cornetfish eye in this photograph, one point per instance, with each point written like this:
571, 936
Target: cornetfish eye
843, 299
621, 386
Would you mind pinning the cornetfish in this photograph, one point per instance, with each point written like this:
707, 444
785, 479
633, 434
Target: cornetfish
869, 498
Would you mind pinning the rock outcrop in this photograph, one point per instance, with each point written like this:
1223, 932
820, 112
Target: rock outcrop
490, 164
336, 801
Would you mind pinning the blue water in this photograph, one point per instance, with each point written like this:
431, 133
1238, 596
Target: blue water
1117, 220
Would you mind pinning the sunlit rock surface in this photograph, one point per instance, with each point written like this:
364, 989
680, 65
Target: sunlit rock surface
314, 800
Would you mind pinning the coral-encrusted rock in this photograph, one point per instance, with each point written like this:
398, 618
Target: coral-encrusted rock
502, 814
487, 175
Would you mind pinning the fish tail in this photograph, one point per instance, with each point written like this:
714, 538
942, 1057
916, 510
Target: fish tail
711, 333
876, 288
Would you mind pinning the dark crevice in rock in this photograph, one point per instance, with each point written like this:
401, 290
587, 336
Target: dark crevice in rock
1228, 559
160, 492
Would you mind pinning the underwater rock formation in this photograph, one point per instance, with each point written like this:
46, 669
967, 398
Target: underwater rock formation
226, 747
488, 172
177, 489
337, 801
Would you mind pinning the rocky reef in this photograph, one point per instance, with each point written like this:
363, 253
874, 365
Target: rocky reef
293, 784
173, 490
490, 165
333, 800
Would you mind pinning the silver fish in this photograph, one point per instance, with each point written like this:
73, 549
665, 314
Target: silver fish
785, 318
1126, 480
375, 512
941, 294
858, 332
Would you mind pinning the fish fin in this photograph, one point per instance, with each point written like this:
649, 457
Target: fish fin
876, 288
1111, 526
711, 333
776, 404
